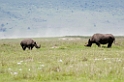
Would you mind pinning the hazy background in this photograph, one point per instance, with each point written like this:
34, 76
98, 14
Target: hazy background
49, 18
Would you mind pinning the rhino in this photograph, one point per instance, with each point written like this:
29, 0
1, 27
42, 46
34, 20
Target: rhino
28, 43
101, 39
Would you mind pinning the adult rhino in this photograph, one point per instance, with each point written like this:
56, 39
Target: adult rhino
101, 39
28, 43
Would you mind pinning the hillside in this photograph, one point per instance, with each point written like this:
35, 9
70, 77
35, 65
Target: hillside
58, 18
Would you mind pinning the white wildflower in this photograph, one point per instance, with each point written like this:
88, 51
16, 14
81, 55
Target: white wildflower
42, 65
19, 63
86, 64
119, 60
14, 73
39, 68
9, 69
96, 59
60, 60
20, 69
105, 58
54, 47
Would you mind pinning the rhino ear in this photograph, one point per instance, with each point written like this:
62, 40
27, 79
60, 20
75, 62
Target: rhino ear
34, 43
89, 40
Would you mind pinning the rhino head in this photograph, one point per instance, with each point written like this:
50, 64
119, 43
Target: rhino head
37, 46
89, 43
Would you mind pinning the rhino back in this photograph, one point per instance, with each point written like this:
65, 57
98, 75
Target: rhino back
96, 37
27, 41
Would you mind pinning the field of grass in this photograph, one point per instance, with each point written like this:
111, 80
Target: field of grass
63, 59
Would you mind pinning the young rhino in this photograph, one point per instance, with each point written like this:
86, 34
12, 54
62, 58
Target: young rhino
101, 39
28, 43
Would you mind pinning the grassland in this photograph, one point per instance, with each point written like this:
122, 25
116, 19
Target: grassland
63, 59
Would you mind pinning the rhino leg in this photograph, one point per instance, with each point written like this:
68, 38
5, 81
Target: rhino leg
109, 45
23, 47
31, 47
98, 44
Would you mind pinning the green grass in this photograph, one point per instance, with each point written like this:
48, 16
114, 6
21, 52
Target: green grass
61, 60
